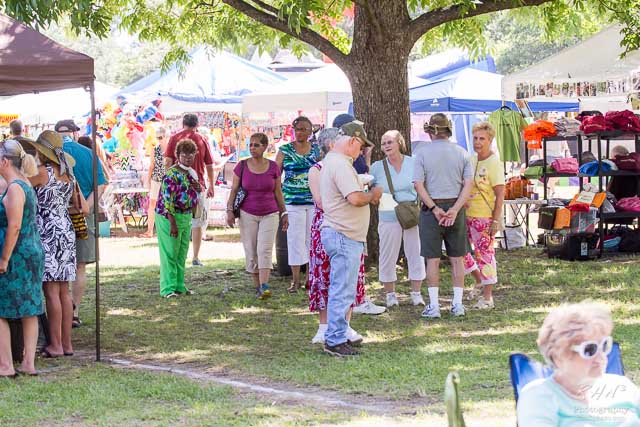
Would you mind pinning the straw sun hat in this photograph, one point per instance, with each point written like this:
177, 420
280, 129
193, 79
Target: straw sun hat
49, 144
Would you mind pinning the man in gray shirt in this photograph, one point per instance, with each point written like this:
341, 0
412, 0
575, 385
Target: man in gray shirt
443, 178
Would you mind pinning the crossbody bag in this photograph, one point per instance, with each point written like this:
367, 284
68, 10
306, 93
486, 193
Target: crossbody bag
406, 212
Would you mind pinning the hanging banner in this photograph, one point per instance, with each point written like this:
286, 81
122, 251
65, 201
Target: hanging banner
5, 119
576, 89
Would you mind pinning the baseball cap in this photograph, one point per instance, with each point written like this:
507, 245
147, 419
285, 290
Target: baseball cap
342, 119
67, 125
439, 124
355, 129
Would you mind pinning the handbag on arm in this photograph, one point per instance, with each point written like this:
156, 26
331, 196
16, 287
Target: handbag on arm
78, 211
406, 212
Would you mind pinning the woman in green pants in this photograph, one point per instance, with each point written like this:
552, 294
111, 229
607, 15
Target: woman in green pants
177, 201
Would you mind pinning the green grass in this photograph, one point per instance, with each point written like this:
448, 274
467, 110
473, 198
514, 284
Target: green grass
102, 396
225, 327
405, 358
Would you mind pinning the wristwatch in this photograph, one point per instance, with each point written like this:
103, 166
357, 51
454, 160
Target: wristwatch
433, 207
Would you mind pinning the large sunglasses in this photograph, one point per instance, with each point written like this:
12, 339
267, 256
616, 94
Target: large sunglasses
589, 349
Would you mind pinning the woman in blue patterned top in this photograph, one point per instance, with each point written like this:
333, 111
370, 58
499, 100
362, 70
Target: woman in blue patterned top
295, 159
177, 201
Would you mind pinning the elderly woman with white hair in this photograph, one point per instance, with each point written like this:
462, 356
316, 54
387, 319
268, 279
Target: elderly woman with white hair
575, 340
394, 175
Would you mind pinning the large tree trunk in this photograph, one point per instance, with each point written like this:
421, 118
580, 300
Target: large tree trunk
377, 70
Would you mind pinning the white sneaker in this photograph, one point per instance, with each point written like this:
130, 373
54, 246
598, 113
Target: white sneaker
367, 307
353, 337
416, 298
431, 312
319, 337
457, 310
392, 299
484, 304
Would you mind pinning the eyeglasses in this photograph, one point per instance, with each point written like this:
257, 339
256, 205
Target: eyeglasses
187, 154
383, 143
589, 349
302, 129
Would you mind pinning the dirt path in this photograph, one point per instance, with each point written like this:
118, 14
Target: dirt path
280, 393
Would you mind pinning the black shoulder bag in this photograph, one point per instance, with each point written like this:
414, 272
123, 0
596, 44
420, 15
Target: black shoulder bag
241, 194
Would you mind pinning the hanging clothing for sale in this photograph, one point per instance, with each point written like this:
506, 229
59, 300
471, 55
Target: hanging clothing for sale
508, 125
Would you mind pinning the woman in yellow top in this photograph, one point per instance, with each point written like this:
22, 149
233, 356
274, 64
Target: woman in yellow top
484, 211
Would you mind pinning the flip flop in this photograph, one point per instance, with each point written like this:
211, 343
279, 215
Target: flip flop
25, 373
46, 354
68, 354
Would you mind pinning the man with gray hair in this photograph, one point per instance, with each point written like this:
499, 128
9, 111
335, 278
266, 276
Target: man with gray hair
16, 128
443, 178
344, 231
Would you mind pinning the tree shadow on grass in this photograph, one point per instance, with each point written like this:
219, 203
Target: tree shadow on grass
224, 327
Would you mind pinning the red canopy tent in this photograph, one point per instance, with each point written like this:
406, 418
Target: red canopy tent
30, 63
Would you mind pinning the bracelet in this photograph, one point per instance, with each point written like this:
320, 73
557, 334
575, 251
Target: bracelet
283, 214
495, 221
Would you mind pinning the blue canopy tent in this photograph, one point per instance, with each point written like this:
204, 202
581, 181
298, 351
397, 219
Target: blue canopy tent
439, 64
209, 83
465, 93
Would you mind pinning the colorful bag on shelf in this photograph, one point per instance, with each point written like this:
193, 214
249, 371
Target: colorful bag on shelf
630, 162
565, 165
563, 219
629, 204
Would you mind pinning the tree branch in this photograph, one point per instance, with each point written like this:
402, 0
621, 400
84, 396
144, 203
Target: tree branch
266, 6
373, 19
432, 19
271, 20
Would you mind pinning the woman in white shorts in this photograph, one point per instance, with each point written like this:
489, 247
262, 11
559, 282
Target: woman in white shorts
400, 168
295, 159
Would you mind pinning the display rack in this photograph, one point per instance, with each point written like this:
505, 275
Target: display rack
603, 177
545, 174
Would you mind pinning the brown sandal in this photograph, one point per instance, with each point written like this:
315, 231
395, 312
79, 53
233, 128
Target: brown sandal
293, 288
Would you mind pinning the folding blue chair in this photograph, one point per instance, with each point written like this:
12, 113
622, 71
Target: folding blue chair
523, 370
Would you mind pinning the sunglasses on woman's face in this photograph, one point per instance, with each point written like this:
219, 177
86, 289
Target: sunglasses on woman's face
589, 349
255, 145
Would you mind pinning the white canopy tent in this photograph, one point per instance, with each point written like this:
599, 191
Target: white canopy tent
49, 107
596, 59
326, 90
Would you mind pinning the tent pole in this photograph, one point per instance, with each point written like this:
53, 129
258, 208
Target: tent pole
94, 165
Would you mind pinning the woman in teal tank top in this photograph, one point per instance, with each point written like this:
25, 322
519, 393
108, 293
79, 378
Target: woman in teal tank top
295, 159
22, 256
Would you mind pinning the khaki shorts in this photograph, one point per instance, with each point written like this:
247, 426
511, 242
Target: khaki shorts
432, 234
86, 249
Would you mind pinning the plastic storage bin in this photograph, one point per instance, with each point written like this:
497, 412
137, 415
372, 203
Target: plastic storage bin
105, 228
